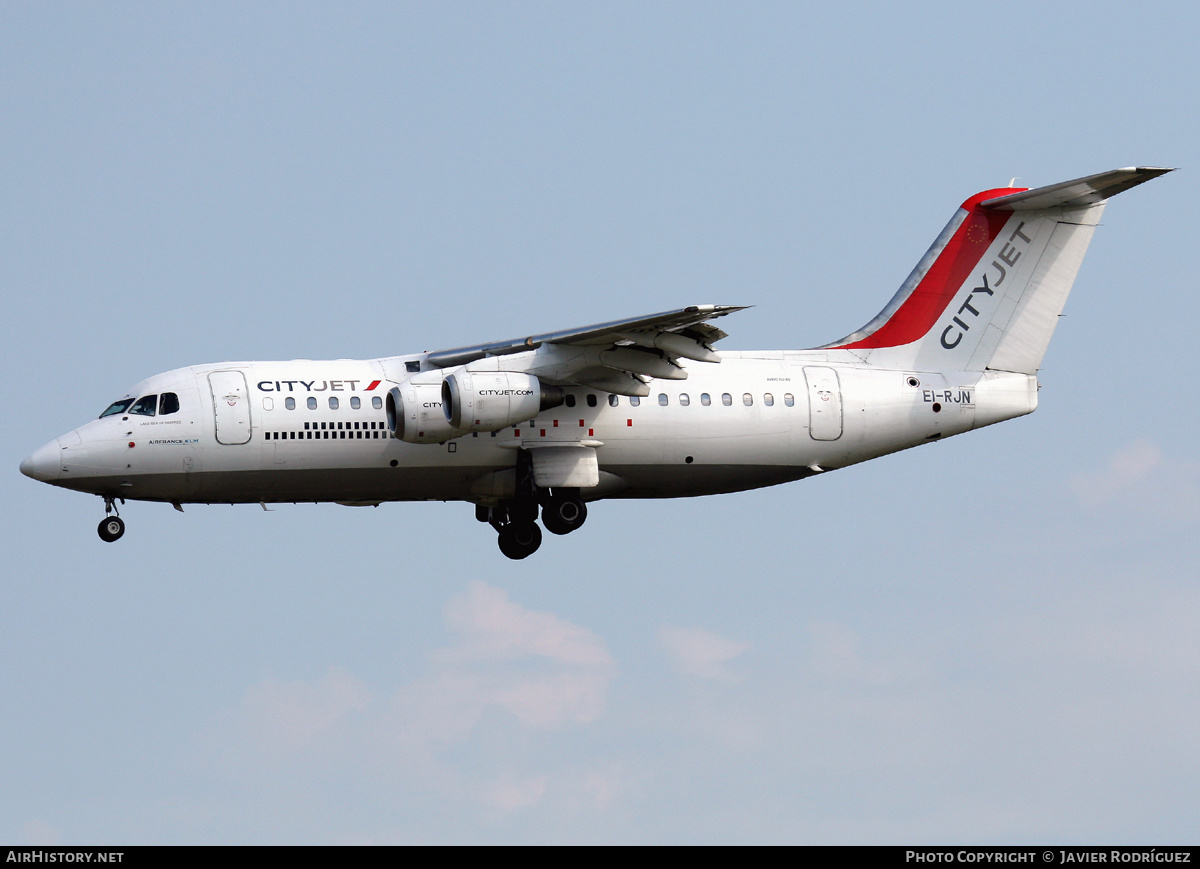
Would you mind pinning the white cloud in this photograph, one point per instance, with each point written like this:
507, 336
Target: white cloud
837, 654
544, 671
40, 832
697, 652
506, 667
1124, 470
492, 628
289, 716
1141, 476
509, 794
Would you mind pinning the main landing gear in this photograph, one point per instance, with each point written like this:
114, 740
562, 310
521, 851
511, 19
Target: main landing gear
111, 526
519, 536
515, 520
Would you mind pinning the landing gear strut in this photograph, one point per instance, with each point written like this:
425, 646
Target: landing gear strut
515, 520
111, 526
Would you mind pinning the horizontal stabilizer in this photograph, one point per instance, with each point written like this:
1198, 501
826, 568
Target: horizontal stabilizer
1078, 193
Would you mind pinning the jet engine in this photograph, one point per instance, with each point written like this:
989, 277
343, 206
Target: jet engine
414, 413
492, 400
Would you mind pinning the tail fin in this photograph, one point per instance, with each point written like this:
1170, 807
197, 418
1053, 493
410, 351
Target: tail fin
989, 291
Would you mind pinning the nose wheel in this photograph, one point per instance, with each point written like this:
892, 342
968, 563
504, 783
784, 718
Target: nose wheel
112, 526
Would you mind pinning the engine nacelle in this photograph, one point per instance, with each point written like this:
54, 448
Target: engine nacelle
414, 414
492, 400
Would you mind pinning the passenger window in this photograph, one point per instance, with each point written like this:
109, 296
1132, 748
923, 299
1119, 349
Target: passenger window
268, 404
684, 401
168, 402
312, 403
634, 401
613, 401
747, 399
355, 403
662, 399
333, 402
117, 407
788, 400
376, 402
570, 400
289, 403
591, 400
769, 400
704, 399
145, 405
726, 399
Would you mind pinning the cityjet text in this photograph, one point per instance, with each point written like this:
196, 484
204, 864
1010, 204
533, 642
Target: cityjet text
311, 385
961, 322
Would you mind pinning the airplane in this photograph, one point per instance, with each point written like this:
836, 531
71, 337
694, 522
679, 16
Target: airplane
542, 426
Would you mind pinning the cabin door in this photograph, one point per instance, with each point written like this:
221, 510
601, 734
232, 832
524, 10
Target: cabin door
231, 406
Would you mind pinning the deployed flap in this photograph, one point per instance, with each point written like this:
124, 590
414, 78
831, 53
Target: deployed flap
565, 466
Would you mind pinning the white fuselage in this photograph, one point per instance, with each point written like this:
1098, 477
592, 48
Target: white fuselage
756, 419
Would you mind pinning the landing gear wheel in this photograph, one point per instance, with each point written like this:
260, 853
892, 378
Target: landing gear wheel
519, 540
563, 515
111, 529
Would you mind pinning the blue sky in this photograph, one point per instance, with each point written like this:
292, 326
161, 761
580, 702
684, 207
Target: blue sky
991, 639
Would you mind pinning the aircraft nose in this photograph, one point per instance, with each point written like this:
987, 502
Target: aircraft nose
45, 465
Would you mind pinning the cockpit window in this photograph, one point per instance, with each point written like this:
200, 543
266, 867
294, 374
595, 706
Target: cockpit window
145, 405
168, 402
117, 407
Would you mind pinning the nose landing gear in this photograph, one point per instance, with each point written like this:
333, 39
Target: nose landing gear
111, 526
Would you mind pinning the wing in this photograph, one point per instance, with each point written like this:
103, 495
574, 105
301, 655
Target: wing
616, 356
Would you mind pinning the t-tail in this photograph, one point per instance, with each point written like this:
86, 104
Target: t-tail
988, 293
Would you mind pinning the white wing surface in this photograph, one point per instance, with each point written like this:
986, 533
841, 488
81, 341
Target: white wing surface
616, 356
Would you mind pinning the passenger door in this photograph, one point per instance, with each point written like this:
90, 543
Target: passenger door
824, 404
231, 406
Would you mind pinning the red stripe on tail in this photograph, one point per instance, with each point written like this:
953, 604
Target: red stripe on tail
916, 316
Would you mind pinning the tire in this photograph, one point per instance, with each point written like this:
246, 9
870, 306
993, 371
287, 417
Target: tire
564, 515
111, 529
519, 540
